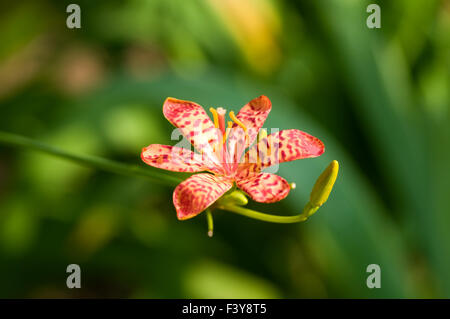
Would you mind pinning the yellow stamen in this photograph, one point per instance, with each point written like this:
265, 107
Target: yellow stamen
215, 117
237, 121
262, 135
216, 121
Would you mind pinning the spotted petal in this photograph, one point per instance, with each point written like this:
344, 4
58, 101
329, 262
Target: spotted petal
265, 187
177, 159
197, 193
195, 124
279, 147
252, 115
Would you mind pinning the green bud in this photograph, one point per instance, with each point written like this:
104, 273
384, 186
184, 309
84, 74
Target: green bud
236, 197
324, 185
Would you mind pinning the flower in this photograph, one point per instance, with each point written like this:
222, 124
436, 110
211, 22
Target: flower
221, 152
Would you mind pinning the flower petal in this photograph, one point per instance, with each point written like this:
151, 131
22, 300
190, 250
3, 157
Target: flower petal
265, 187
279, 147
177, 159
252, 115
194, 124
197, 193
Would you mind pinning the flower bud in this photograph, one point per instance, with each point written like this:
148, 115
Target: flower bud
324, 185
236, 197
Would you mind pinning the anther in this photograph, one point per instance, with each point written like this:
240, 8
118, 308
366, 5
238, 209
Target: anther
215, 117
262, 135
237, 121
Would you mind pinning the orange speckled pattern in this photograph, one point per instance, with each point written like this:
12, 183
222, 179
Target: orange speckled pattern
265, 187
177, 159
252, 115
279, 147
195, 125
197, 193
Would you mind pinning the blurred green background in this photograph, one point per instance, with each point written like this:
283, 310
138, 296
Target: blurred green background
378, 98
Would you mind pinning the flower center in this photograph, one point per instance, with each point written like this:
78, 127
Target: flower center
219, 115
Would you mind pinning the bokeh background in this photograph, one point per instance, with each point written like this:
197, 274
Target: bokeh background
378, 98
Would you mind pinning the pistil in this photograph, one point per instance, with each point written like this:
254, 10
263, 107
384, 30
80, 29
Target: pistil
221, 112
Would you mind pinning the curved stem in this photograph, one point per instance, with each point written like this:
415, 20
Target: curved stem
265, 217
87, 160
319, 195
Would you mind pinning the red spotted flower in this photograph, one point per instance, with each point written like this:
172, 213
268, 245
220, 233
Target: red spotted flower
221, 154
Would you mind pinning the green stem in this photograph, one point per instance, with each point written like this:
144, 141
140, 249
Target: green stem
209, 219
87, 160
265, 217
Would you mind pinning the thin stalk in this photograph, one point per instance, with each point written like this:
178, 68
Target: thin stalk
209, 219
88, 160
265, 217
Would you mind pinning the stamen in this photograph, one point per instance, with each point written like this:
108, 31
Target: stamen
262, 135
237, 121
293, 185
216, 121
221, 112
215, 117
